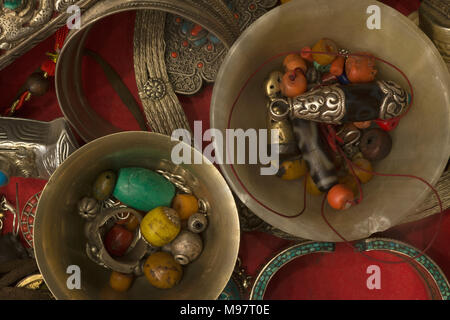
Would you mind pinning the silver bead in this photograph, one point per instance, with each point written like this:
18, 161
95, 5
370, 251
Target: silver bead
272, 84
88, 207
167, 248
186, 247
197, 223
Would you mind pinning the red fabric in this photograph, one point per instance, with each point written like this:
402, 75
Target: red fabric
336, 275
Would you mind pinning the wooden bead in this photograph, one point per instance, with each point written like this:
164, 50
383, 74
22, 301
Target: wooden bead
37, 84
375, 144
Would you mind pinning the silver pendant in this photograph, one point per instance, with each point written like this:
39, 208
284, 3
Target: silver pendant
31, 148
193, 55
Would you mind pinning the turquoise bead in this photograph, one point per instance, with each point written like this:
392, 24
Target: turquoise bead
12, 4
143, 189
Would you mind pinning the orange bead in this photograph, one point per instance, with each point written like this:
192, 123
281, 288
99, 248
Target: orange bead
132, 223
185, 205
307, 55
360, 69
340, 197
337, 66
293, 84
362, 124
120, 282
294, 61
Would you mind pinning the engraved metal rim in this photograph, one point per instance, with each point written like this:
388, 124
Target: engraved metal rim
151, 140
440, 282
262, 280
219, 120
68, 80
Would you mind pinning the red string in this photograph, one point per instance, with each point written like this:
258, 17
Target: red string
61, 35
18, 105
334, 146
407, 259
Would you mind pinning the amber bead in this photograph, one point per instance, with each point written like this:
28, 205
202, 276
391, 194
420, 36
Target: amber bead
375, 144
185, 205
120, 282
364, 174
293, 170
325, 45
162, 270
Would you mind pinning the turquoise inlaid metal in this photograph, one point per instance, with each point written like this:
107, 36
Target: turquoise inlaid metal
12, 4
284, 257
232, 291
322, 69
404, 249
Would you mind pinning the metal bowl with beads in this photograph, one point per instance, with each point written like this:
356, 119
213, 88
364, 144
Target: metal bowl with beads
204, 278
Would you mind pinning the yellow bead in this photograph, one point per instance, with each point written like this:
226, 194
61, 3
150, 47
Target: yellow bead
324, 45
160, 226
311, 187
364, 164
293, 169
162, 270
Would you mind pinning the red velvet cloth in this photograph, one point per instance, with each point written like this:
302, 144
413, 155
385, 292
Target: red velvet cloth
339, 275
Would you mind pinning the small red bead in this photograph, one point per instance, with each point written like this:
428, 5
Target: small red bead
185, 43
24, 228
178, 20
236, 16
209, 47
174, 54
252, 6
200, 65
24, 218
388, 125
30, 220
29, 236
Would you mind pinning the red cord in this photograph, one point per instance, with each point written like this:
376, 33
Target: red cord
334, 146
61, 35
407, 259
19, 105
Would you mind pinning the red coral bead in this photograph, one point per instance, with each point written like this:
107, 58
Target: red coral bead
117, 240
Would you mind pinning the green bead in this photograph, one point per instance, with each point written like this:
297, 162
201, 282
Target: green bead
143, 189
104, 185
12, 4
